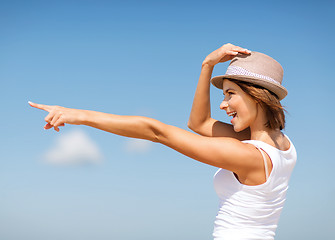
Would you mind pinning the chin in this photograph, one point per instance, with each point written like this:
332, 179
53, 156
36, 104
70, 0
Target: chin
238, 128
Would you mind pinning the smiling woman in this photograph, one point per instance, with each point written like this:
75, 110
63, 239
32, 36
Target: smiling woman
268, 101
255, 159
250, 200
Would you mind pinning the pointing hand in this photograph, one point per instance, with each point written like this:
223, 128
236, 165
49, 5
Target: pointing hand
58, 115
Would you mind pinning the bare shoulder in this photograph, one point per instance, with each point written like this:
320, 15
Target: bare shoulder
285, 144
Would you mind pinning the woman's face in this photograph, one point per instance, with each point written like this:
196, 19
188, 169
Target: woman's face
239, 105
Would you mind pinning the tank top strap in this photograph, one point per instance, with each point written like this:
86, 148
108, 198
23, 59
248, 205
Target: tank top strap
265, 162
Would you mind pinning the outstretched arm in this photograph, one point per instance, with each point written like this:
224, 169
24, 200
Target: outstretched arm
128, 126
200, 119
226, 153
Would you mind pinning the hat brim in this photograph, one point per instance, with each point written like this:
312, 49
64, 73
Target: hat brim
277, 89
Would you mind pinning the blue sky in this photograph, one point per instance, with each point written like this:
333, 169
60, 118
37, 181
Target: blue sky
144, 58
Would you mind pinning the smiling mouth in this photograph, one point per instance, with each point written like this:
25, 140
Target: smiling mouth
232, 114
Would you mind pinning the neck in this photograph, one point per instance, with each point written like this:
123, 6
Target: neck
274, 138
260, 132
265, 134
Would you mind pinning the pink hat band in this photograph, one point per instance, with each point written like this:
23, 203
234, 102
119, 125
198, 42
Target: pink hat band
235, 70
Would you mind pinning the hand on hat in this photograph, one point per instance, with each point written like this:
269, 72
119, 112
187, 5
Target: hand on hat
225, 53
58, 116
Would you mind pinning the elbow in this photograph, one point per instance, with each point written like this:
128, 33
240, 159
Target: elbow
199, 128
192, 126
156, 130
156, 136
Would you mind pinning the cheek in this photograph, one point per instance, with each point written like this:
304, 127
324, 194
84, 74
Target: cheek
244, 120
251, 111
247, 111
235, 103
246, 108
239, 105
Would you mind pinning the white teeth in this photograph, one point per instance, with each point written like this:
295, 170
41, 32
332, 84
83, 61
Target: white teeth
232, 114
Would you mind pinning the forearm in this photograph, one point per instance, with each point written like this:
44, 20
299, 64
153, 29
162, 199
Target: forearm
201, 109
128, 126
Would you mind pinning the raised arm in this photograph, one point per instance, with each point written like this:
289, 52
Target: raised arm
200, 119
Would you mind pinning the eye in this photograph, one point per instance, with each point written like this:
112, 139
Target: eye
230, 93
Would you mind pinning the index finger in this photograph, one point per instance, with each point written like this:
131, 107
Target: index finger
40, 106
243, 50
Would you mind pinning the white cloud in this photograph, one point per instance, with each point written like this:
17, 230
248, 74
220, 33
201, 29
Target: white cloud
135, 145
73, 148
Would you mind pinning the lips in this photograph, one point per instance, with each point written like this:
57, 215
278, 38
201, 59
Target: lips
232, 114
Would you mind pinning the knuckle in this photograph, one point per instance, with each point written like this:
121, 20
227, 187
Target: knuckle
61, 121
56, 108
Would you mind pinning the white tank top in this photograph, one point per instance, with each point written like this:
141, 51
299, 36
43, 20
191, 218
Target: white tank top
252, 212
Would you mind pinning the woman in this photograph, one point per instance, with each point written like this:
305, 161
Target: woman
255, 159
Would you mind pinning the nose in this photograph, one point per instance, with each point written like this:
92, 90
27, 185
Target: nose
223, 105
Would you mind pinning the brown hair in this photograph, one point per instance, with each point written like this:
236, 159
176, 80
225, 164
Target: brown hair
268, 101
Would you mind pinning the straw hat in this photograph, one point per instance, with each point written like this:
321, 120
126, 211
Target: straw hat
256, 68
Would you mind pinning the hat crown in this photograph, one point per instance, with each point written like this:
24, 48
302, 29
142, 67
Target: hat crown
260, 64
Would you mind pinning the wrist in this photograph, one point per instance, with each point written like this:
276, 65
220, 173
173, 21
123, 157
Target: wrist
206, 63
83, 117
